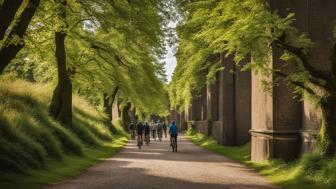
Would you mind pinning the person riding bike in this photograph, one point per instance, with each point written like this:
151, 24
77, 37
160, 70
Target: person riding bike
173, 132
164, 127
147, 131
140, 130
159, 130
132, 128
153, 129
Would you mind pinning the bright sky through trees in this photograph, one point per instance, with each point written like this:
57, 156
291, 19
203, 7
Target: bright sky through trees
170, 58
170, 63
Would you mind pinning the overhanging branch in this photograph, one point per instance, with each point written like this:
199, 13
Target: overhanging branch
296, 83
299, 52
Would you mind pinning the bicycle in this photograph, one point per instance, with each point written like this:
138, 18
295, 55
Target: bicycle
174, 144
139, 142
133, 134
154, 134
160, 135
147, 139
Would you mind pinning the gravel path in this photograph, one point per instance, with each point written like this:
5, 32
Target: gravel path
156, 167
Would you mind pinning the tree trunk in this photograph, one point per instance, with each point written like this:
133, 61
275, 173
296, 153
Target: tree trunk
107, 106
9, 51
113, 97
328, 129
61, 103
7, 14
108, 103
125, 117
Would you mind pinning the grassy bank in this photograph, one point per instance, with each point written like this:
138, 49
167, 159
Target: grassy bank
36, 150
309, 172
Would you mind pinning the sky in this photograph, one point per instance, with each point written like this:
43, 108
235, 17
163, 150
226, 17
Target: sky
170, 63
170, 56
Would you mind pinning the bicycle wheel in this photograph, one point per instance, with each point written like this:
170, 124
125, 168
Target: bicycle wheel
147, 140
139, 143
173, 144
160, 136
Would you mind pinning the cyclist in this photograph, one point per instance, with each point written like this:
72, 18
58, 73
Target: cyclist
164, 127
153, 129
140, 130
173, 132
159, 130
132, 129
147, 132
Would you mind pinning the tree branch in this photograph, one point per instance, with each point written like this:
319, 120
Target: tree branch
299, 52
10, 50
296, 83
116, 57
7, 14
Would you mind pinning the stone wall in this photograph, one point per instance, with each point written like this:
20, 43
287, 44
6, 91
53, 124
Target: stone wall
319, 23
280, 125
223, 109
290, 126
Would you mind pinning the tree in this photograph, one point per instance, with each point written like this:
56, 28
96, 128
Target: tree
195, 65
107, 45
61, 103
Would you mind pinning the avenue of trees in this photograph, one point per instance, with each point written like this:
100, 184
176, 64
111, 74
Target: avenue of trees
104, 50
108, 50
249, 30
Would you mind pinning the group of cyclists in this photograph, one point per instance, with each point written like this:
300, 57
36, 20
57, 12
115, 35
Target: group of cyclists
143, 131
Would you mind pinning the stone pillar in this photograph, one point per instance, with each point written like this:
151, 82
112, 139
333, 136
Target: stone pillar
277, 133
200, 109
212, 107
320, 20
275, 122
226, 101
178, 120
209, 99
186, 118
204, 108
182, 123
209, 96
196, 108
242, 106
276, 116
231, 105
217, 126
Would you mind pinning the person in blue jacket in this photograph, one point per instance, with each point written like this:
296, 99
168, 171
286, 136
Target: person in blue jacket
173, 132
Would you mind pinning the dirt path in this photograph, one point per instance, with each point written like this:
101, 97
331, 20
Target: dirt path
156, 167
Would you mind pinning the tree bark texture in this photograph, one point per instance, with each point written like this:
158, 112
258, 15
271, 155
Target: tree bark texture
10, 50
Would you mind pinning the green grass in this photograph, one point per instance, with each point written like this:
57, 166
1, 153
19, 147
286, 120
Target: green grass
56, 171
309, 172
35, 149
